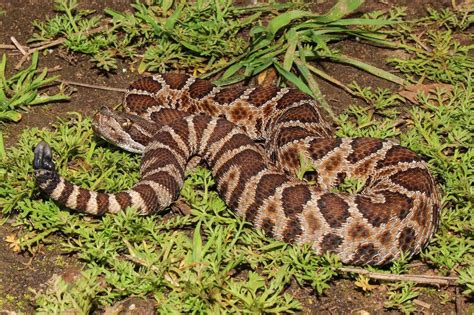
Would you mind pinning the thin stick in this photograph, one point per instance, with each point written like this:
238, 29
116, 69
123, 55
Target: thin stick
422, 304
47, 45
22, 61
414, 278
6, 46
31, 50
19, 46
92, 86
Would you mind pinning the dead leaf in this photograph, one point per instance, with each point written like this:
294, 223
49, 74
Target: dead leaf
13, 243
267, 77
363, 283
411, 92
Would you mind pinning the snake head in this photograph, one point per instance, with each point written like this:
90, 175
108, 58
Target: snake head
129, 132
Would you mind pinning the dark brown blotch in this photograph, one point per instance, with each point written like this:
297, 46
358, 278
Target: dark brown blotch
139, 137
149, 197
266, 187
124, 200
165, 138
228, 95
102, 203
200, 124
67, 190
175, 81
289, 159
82, 199
330, 242
291, 97
159, 158
407, 239
140, 103
166, 180
320, 147
385, 238
292, 231
236, 141
377, 213
147, 84
358, 231
267, 226
363, 147
250, 164
304, 113
398, 154
262, 94
181, 128
200, 88
166, 116
365, 254
294, 199
238, 113
258, 125
422, 213
414, 179
222, 128
334, 209
290, 134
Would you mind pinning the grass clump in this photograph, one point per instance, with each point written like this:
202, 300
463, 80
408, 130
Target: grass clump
159, 35
212, 36
23, 89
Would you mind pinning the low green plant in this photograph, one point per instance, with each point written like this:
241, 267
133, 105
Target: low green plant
205, 262
400, 296
23, 89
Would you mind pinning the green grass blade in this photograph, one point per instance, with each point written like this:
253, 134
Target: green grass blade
313, 85
341, 9
3, 153
292, 38
291, 77
285, 19
369, 68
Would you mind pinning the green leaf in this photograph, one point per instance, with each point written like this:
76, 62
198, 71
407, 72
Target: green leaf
285, 19
341, 9
293, 79
10, 115
292, 38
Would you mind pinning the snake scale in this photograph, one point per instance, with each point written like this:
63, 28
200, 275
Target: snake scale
172, 117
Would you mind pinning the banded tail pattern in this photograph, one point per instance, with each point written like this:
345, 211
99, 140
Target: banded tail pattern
397, 209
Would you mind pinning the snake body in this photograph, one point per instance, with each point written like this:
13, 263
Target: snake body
172, 117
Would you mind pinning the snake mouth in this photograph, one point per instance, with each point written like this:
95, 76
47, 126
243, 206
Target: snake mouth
124, 130
101, 120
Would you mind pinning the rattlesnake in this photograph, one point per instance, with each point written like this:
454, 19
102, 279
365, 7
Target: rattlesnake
396, 211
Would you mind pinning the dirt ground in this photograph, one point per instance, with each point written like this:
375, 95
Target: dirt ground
19, 273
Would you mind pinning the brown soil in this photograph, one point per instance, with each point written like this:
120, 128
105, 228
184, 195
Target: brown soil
19, 273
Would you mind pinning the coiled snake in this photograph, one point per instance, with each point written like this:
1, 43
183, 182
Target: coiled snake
172, 117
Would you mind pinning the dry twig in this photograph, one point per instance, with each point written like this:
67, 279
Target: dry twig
92, 86
414, 278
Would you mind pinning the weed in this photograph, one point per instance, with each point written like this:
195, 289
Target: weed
23, 89
400, 296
